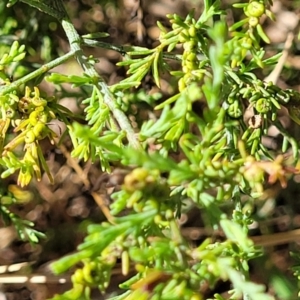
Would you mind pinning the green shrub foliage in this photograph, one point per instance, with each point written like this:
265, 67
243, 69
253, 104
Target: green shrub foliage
222, 169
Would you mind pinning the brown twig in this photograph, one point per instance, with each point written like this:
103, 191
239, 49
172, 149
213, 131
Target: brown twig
73, 163
277, 238
33, 278
101, 203
275, 74
195, 233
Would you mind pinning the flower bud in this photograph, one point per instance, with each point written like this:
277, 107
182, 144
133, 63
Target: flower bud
255, 9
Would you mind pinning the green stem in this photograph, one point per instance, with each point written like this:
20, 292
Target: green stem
43, 69
124, 49
108, 98
92, 43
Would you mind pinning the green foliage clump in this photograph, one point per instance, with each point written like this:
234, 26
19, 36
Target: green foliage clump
223, 160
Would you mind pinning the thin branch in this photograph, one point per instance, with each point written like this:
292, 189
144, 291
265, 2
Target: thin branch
108, 98
277, 238
34, 278
275, 74
14, 267
105, 210
125, 49
92, 43
73, 163
43, 69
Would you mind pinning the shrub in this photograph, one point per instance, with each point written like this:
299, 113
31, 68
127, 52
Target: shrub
199, 147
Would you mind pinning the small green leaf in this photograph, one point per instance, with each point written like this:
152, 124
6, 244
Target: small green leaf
95, 35
156, 62
235, 233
